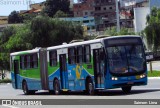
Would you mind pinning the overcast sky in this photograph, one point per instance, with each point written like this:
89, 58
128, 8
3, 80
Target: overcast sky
7, 6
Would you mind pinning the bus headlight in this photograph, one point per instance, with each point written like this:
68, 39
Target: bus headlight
140, 76
114, 78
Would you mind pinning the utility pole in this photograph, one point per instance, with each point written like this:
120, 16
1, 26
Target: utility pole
117, 14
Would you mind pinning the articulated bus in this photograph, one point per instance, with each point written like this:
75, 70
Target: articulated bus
90, 66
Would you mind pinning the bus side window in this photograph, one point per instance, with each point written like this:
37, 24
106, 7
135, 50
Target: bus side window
22, 62
87, 54
28, 61
35, 61
71, 55
79, 54
53, 58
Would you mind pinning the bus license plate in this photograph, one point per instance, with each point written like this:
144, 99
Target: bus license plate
130, 83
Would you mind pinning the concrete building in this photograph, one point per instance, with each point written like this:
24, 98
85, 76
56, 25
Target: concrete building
140, 18
82, 9
127, 11
104, 13
102, 10
88, 22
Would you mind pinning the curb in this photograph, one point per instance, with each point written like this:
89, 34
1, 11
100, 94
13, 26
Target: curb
153, 77
4, 83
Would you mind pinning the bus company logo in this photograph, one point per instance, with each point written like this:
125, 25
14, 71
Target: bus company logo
6, 102
21, 102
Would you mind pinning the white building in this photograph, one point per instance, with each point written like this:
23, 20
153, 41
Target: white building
140, 18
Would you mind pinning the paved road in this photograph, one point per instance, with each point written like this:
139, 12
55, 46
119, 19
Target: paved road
151, 91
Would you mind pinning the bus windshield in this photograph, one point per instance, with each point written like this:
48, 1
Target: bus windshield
126, 59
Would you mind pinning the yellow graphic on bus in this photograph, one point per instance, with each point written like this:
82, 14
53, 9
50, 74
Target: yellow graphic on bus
78, 71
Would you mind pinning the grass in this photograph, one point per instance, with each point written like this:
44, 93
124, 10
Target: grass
5, 81
154, 73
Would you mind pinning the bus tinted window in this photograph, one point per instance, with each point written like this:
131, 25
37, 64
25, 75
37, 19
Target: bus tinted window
35, 61
53, 58
87, 54
28, 61
80, 54
122, 41
71, 55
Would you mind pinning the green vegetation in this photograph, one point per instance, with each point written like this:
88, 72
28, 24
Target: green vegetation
39, 32
14, 17
113, 31
52, 6
154, 73
5, 81
152, 30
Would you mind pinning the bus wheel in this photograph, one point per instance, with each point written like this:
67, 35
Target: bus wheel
90, 87
126, 89
56, 87
25, 88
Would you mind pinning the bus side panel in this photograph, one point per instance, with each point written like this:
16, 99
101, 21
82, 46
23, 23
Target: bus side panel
32, 77
54, 73
16, 84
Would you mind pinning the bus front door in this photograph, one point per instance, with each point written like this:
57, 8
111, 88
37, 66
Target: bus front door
63, 72
99, 66
16, 72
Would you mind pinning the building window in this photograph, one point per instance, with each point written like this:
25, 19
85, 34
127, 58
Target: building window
87, 54
86, 21
71, 55
86, 13
110, 7
104, 8
53, 58
97, 8
93, 27
79, 54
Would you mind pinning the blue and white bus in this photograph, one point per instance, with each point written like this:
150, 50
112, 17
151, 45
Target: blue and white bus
100, 64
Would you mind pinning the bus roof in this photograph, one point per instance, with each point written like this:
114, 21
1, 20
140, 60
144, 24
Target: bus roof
71, 45
25, 52
88, 42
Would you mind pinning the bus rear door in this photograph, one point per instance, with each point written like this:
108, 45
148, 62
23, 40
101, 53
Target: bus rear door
63, 72
16, 72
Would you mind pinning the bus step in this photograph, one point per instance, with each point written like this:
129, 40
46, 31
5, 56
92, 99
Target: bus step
64, 89
100, 88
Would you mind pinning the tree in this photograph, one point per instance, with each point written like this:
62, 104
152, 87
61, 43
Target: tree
40, 32
123, 31
14, 17
60, 14
52, 6
152, 29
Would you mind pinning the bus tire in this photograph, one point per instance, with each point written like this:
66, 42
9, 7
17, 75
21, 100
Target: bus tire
126, 89
56, 87
90, 87
25, 88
